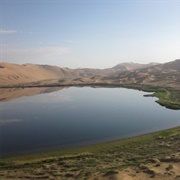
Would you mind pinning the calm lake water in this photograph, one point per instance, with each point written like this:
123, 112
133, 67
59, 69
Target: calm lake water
79, 116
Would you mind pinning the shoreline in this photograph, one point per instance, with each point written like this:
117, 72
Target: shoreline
135, 86
153, 155
47, 150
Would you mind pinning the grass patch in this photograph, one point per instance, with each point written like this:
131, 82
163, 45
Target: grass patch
169, 99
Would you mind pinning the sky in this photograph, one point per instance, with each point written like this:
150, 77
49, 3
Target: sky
89, 33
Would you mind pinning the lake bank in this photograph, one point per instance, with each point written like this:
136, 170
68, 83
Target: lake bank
145, 155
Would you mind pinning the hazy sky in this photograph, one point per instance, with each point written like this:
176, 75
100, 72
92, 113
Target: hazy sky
89, 33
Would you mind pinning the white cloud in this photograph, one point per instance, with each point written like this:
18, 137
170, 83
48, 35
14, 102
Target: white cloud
34, 55
7, 31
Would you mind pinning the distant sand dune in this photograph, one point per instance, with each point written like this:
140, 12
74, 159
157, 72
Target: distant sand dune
11, 74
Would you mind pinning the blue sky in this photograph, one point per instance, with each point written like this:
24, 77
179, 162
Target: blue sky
89, 33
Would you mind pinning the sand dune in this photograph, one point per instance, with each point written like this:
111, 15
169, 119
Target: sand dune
17, 74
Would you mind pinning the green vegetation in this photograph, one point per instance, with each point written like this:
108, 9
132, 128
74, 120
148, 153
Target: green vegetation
167, 97
81, 163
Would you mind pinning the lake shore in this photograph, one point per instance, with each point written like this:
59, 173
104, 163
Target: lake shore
155, 155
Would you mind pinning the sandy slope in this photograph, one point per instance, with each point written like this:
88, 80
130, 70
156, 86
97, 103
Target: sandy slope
17, 74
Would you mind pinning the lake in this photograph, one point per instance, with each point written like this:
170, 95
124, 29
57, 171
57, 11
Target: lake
71, 117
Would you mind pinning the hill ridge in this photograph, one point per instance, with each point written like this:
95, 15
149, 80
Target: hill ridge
164, 75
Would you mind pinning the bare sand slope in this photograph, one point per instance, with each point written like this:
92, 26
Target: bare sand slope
11, 74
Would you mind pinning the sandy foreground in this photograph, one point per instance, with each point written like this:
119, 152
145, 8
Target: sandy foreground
162, 170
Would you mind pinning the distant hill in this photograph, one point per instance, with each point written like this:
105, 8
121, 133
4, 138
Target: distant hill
164, 75
174, 65
132, 66
13, 74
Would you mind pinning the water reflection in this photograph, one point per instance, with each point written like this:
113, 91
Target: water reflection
8, 94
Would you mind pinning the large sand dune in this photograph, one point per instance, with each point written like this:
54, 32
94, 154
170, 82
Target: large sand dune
11, 74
